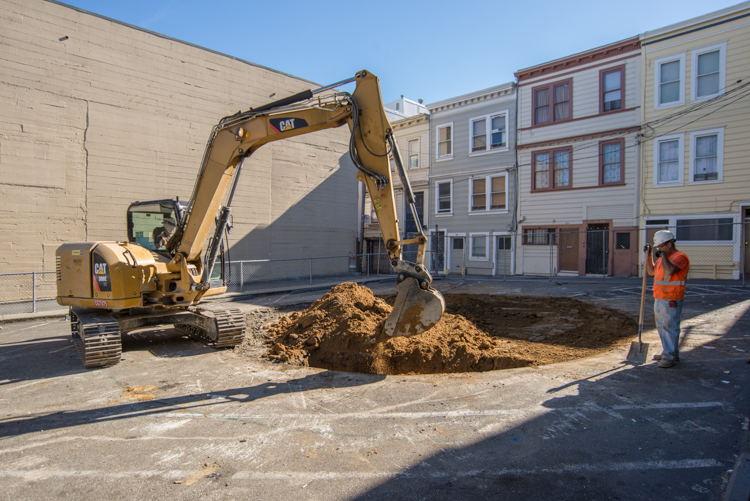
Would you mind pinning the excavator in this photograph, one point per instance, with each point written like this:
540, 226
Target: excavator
163, 274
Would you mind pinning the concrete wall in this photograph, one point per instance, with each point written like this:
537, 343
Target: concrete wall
97, 114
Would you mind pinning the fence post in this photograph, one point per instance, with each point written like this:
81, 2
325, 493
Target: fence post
33, 292
310, 271
550, 257
604, 255
242, 275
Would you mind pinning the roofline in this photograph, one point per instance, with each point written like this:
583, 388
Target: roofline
165, 37
581, 58
696, 20
471, 95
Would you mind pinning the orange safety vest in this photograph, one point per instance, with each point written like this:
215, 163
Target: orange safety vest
671, 287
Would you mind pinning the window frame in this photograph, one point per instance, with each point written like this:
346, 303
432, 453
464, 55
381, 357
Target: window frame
549, 231
719, 154
551, 153
672, 226
488, 194
680, 160
486, 236
722, 48
438, 128
602, 73
437, 198
602, 144
488, 132
551, 93
411, 154
681, 57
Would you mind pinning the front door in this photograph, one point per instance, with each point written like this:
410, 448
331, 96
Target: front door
569, 250
624, 261
503, 258
457, 255
597, 249
746, 240
438, 251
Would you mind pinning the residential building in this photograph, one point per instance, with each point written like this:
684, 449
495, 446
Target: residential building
578, 119
473, 182
695, 136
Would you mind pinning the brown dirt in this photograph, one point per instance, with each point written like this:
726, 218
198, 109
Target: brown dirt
343, 331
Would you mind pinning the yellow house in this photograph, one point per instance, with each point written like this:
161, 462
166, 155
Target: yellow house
695, 178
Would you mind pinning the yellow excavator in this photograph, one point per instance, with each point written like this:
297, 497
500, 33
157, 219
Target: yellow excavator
163, 273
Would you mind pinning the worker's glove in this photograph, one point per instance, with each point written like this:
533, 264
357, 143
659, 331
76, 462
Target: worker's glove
647, 248
658, 254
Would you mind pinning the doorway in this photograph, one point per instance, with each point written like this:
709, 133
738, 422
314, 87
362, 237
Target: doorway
438, 251
503, 258
569, 250
597, 249
457, 255
746, 240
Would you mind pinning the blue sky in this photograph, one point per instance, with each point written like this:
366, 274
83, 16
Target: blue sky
431, 50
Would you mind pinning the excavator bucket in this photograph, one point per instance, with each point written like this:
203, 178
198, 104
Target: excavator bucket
415, 310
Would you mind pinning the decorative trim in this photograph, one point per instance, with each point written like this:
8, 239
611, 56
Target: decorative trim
629, 45
550, 142
472, 100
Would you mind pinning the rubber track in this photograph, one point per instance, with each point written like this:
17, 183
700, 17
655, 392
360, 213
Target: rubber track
96, 338
231, 327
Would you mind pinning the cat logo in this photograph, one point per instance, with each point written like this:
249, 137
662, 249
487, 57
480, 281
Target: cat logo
100, 268
287, 124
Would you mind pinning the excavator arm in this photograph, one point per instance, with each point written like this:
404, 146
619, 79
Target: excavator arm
418, 306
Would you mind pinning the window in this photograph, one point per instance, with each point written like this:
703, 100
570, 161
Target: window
552, 165
705, 230
444, 200
622, 241
458, 244
445, 141
668, 160
479, 246
612, 89
552, 103
708, 72
495, 126
489, 190
707, 156
670, 83
612, 162
414, 154
539, 236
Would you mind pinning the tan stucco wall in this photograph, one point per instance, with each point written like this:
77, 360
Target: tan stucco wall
113, 114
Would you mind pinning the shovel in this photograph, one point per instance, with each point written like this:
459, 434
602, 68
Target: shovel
639, 350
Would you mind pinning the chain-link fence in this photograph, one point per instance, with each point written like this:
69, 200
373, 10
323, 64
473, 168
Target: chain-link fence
28, 292
716, 250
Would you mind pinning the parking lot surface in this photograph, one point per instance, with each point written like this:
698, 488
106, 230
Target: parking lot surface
177, 420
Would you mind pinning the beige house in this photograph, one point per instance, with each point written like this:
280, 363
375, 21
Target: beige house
578, 118
97, 114
696, 180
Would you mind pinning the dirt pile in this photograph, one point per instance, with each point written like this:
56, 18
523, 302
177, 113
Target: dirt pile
343, 331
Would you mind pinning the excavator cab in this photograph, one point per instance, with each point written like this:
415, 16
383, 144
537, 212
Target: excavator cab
151, 224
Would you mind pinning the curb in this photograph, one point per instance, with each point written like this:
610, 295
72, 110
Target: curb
31, 316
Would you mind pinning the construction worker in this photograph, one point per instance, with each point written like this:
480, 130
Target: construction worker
669, 268
163, 233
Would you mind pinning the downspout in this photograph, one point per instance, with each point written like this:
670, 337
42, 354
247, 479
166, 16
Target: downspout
517, 186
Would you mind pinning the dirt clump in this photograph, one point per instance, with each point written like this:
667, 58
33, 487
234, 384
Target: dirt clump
343, 331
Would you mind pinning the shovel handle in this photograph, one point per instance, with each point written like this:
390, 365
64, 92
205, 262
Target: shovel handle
643, 298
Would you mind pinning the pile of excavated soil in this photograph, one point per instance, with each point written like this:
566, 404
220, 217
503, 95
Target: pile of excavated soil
343, 331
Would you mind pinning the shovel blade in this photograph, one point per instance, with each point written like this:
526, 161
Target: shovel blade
415, 309
638, 352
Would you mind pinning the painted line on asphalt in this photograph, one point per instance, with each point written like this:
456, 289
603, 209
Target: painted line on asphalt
676, 405
427, 473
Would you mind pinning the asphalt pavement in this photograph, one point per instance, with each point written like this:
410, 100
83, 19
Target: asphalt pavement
177, 420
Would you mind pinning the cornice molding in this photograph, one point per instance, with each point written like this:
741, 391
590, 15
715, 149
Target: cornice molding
510, 91
614, 50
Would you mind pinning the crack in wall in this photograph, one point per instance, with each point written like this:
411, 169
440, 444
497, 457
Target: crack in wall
86, 171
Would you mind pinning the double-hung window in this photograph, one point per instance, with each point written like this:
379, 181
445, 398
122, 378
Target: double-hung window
445, 141
612, 89
708, 72
552, 103
612, 162
488, 193
414, 154
668, 160
670, 81
552, 169
707, 156
479, 246
488, 133
444, 199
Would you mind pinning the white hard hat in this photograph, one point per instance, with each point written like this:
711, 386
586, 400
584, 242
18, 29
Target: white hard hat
169, 220
662, 237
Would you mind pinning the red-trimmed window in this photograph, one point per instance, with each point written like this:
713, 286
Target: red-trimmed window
552, 103
612, 89
612, 162
552, 170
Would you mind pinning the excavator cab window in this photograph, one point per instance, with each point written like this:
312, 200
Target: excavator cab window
151, 224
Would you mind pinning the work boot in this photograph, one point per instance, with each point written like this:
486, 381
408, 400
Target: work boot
658, 357
665, 363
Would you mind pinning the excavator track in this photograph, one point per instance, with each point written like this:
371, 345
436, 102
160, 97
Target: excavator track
230, 326
96, 337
